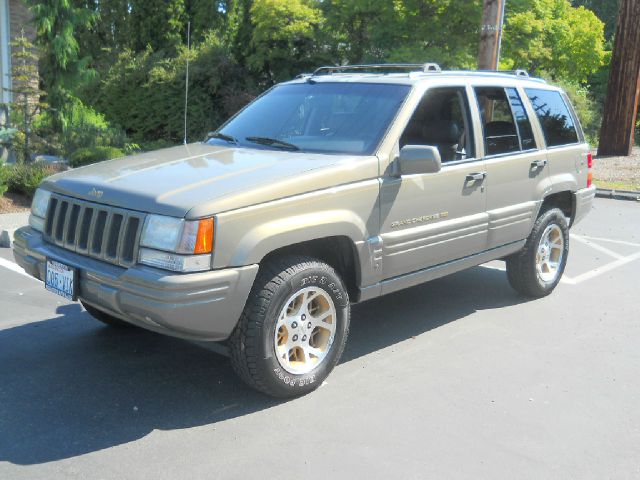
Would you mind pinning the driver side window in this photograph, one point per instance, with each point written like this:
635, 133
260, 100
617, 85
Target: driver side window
442, 120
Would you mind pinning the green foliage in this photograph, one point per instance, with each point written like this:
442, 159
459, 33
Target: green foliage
25, 177
126, 59
4, 178
607, 11
61, 67
26, 104
551, 36
158, 25
86, 156
284, 38
145, 92
443, 31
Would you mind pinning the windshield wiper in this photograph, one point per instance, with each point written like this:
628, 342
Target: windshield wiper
273, 142
222, 136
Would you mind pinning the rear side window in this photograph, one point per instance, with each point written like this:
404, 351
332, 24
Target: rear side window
557, 123
522, 120
504, 121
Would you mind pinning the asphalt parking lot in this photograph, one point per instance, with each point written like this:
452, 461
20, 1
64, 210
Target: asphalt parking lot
457, 378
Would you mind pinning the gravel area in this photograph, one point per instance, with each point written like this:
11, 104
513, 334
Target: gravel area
619, 169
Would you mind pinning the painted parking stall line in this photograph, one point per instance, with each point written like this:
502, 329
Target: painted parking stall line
9, 265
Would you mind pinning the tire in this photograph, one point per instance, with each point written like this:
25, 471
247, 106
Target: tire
549, 239
105, 317
281, 345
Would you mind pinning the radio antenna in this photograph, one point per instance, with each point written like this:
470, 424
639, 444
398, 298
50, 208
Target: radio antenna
186, 81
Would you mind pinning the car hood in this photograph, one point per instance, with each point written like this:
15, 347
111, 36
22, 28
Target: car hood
199, 179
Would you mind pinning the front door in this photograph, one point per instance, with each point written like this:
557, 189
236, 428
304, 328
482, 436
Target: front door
430, 219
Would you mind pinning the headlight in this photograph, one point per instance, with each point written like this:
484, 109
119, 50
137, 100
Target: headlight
39, 207
185, 245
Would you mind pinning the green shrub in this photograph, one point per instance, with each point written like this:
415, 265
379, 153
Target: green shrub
144, 92
86, 156
4, 177
25, 177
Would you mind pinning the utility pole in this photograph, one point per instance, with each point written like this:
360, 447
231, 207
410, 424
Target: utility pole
623, 90
490, 34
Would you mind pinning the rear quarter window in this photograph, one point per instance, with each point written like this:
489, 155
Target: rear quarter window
558, 125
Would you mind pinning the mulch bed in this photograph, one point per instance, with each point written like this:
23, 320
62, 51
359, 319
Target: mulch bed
619, 169
14, 202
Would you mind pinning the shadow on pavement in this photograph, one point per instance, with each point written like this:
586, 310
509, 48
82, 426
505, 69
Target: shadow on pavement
69, 386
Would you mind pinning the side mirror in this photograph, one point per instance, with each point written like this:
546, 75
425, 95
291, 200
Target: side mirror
418, 159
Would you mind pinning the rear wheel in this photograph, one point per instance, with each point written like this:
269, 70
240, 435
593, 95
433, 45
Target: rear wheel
105, 317
293, 329
538, 267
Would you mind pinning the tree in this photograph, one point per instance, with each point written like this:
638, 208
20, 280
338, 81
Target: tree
284, 40
623, 91
553, 37
159, 25
61, 68
26, 104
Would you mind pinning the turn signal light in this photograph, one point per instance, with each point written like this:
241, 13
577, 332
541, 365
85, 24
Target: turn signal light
589, 179
204, 238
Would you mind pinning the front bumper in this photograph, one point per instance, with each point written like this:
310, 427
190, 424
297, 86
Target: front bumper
197, 306
583, 201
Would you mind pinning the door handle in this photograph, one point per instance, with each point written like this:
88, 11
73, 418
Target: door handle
476, 177
538, 164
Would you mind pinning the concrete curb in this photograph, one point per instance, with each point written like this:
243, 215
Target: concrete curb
9, 223
618, 194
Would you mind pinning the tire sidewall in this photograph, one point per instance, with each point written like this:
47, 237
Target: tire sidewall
550, 217
279, 379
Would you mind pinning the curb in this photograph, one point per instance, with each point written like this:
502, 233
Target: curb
9, 223
618, 194
6, 237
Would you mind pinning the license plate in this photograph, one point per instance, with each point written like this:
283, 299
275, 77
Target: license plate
61, 279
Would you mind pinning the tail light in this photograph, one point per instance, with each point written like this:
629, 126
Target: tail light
589, 166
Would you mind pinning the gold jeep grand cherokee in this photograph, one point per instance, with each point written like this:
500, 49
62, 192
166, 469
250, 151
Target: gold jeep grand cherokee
330, 189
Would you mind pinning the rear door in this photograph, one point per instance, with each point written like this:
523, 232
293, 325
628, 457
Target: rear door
516, 164
564, 139
429, 219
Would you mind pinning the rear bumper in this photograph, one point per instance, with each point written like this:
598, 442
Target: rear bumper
198, 306
583, 201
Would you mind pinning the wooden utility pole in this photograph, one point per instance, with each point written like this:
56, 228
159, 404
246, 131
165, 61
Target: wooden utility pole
490, 34
623, 91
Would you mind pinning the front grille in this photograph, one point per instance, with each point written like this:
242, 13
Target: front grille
97, 231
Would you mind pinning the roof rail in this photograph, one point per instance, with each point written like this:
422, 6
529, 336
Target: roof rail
422, 67
517, 73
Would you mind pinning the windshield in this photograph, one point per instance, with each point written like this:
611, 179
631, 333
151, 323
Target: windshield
317, 117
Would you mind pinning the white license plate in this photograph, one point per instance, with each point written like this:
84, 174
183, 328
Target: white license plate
61, 279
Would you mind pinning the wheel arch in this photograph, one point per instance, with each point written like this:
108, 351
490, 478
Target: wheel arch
338, 251
564, 200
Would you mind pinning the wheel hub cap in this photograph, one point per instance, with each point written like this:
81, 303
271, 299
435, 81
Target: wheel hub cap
550, 253
305, 330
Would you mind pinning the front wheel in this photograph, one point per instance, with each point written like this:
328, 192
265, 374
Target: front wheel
293, 329
535, 270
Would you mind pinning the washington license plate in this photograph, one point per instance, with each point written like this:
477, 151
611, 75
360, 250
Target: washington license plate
61, 279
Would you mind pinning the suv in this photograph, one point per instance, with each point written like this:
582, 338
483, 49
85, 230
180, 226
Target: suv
331, 189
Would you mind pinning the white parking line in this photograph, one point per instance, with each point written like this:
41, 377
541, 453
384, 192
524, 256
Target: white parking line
610, 240
9, 265
595, 246
600, 270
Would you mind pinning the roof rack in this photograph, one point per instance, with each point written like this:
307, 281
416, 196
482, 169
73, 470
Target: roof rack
517, 73
423, 67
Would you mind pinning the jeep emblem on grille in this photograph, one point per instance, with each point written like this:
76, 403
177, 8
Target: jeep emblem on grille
96, 193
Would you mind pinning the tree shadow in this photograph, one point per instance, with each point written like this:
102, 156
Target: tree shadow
71, 386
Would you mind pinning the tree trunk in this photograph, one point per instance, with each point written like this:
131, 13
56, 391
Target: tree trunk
623, 91
490, 34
